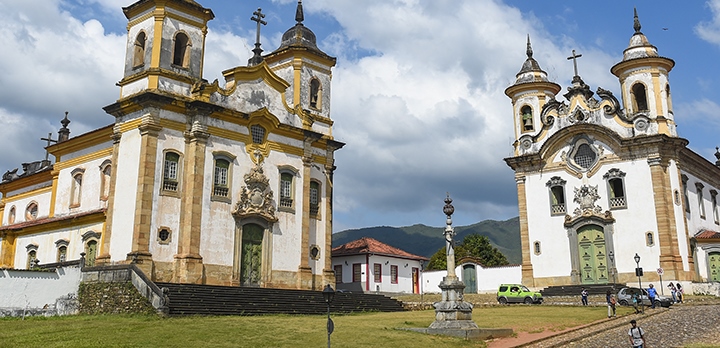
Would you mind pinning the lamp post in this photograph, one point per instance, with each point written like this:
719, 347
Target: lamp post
328, 295
611, 255
638, 272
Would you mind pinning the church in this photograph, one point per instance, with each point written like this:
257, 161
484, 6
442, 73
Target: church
605, 183
222, 183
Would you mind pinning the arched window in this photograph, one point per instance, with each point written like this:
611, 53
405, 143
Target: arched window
171, 172
585, 156
181, 52
76, 190
684, 179
258, 134
668, 95
536, 248
713, 199
527, 118
557, 195
105, 172
649, 239
315, 93
701, 201
11, 215
62, 246
616, 188
286, 190
32, 260
220, 180
638, 90
90, 252
314, 198
31, 212
139, 52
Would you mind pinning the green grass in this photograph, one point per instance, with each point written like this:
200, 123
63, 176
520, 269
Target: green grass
357, 330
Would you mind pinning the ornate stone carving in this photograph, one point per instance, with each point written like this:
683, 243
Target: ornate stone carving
256, 197
586, 196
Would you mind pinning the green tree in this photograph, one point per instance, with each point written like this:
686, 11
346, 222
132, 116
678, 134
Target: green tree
474, 245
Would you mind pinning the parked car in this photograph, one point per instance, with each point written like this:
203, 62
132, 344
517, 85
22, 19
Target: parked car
517, 293
624, 297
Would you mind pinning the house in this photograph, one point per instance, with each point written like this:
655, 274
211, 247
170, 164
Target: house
477, 278
224, 183
368, 265
605, 183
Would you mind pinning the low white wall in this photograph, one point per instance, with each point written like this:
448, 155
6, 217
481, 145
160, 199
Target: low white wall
488, 279
38, 291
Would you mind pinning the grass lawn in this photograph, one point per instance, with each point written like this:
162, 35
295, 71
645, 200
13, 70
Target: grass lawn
356, 330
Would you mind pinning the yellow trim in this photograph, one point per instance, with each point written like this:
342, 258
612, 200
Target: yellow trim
260, 71
63, 224
83, 159
129, 125
139, 20
53, 197
185, 20
155, 72
315, 67
82, 142
2, 211
24, 182
23, 195
171, 124
7, 250
297, 78
159, 14
299, 53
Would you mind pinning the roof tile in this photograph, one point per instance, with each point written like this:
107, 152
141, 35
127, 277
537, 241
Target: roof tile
367, 245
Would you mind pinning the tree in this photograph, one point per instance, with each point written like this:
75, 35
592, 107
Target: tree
474, 245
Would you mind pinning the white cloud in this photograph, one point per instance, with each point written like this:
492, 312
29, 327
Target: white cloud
710, 30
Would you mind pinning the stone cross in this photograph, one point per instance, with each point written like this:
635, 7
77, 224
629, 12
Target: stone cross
574, 58
258, 17
49, 140
448, 209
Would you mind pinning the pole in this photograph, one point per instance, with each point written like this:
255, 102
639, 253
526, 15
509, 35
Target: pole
661, 287
329, 329
642, 304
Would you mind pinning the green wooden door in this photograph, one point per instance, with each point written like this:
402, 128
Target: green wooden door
470, 279
591, 248
714, 266
251, 255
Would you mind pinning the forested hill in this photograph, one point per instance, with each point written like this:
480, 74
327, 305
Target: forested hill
425, 240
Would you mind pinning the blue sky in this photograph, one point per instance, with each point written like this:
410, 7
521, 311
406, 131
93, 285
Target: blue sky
417, 91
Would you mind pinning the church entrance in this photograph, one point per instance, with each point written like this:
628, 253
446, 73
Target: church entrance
592, 252
469, 279
714, 266
251, 255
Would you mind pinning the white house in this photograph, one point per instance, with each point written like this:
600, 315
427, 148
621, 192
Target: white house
476, 277
368, 265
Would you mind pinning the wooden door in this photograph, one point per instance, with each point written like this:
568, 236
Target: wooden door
714, 267
416, 280
591, 248
470, 279
251, 255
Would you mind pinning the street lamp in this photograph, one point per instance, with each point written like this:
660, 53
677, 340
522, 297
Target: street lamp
638, 272
328, 295
611, 255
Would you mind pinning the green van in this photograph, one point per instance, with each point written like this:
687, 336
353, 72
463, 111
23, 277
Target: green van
517, 293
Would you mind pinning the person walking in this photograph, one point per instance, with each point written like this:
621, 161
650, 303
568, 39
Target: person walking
673, 291
679, 292
637, 335
584, 296
652, 294
635, 301
610, 298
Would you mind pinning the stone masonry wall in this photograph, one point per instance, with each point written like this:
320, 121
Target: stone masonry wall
112, 298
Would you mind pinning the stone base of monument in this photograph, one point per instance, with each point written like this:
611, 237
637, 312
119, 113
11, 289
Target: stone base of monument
468, 334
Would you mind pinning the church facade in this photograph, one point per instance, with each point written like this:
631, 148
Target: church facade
601, 179
194, 182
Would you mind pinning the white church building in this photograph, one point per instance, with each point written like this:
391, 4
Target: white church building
602, 178
225, 183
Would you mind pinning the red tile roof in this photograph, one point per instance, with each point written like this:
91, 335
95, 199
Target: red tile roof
40, 221
367, 245
707, 234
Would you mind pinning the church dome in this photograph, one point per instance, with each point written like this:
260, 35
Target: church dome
639, 46
299, 35
530, 71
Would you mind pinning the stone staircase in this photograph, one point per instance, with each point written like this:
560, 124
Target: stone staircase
192, 299
574, 290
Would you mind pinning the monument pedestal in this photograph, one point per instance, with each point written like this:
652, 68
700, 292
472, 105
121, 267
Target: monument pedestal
453, 316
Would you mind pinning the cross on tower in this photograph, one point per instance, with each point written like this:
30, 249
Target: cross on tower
49, 140
257, 17
574, 58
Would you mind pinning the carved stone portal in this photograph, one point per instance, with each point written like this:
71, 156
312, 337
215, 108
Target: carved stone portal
256, 197
586, 196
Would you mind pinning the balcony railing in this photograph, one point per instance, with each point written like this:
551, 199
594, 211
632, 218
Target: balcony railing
558, 209
617, 202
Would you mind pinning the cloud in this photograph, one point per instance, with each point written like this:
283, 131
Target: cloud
710, 30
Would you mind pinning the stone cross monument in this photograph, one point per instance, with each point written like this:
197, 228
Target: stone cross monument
453, 316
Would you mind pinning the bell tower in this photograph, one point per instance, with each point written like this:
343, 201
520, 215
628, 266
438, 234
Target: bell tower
165, 46
645, 83
530, 93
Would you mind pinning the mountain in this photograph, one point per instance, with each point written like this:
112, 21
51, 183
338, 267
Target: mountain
425, 240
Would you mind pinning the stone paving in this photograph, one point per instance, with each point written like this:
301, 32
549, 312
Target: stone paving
675, 327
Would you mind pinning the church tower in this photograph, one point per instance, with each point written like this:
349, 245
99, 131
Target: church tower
165, 46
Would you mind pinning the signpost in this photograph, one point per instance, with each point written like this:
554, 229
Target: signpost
660, 272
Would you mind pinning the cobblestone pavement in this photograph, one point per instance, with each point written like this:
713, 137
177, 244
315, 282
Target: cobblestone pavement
676, 327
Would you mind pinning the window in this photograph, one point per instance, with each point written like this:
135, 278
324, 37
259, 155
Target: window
667, 94
701, 201
11, 215
616, 188
171, 172
685, 192
315, 252
164, 235
139, 51
314, 198
61, 246
377, 272
536, 248
394, 274
258, 134
585, 156
220, 181
181, 53
90, 253
32, 260
527, 118
357, 273
314, 93
649, 240
31, 212
557, 195
105, 171
338, 273
286, 191
713, 198
640, 99
76, 190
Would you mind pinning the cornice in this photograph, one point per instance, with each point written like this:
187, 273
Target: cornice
26, 181
55, 223
83, 141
